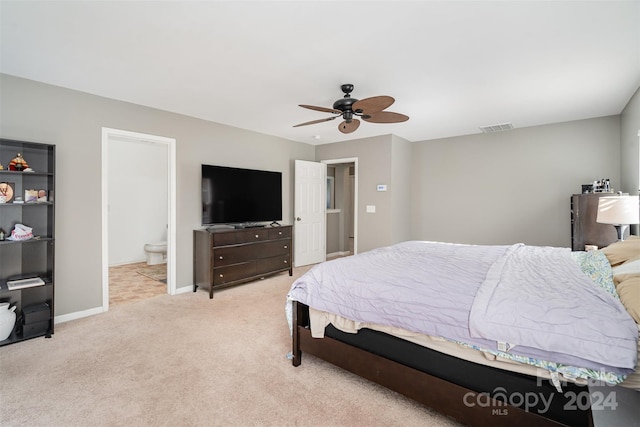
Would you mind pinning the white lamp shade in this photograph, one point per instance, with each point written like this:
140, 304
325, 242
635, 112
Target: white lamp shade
618, 210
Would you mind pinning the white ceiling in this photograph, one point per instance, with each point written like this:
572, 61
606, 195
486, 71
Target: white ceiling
451, 66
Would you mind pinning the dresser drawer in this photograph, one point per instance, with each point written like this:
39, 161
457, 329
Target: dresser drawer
279, 233
233, 255
253, 235
268, 265
231, 273
223, 238
269, 249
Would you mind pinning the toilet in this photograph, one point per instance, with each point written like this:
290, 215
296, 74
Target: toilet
156, 253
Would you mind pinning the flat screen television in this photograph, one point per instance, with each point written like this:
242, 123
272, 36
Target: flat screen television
240, 196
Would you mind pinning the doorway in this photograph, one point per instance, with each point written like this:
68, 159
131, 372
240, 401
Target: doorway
342, 207
119, 149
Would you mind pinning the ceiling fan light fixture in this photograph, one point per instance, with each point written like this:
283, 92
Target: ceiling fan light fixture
348, 127
369, 109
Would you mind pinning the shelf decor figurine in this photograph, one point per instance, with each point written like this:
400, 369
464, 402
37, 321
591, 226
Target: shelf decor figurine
18, 163
7, 320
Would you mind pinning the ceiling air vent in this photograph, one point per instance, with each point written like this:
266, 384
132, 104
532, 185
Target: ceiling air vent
496, 128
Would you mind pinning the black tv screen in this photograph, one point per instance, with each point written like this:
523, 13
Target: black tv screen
235, 195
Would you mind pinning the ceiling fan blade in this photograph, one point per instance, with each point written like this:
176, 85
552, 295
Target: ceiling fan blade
373, 104
385, 117
313, 122
345, 127
323, 109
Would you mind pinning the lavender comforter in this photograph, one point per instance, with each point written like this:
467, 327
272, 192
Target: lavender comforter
536, 299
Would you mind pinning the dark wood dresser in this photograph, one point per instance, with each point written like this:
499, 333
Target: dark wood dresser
227, 257
584, 228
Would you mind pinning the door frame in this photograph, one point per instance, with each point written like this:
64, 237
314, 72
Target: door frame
170, 143
353, 160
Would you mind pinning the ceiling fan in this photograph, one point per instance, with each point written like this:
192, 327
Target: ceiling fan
369, 109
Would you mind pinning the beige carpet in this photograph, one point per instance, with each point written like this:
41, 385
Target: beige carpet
187, 360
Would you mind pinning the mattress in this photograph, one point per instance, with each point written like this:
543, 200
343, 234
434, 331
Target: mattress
557, 374
426, 293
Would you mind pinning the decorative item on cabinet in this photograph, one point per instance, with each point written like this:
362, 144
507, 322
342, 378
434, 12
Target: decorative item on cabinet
7, 320
7, 190
21, 232
601, 186
18, 163
30, 196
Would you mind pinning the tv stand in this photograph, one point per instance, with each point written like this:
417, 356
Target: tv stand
227, 257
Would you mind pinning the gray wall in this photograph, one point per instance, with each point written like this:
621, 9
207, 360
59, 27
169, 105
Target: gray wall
630, 146
630, 149
511, 186
401, 178
73, 121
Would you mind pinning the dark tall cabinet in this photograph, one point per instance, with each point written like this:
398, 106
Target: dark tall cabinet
584, 228
27, 266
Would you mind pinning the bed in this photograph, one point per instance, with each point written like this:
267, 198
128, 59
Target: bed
489, 335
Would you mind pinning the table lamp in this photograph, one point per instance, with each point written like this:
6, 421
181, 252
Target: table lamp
619, 211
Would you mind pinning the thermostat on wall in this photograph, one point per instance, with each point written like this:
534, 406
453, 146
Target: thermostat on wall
382, 187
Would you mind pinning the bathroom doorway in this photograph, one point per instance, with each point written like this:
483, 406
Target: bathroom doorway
138, 213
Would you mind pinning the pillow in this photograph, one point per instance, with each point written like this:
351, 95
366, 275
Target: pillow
620, 252
628, 267
596, 265
629, 292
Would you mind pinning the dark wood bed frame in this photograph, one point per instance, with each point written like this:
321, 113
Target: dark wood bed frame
443, 395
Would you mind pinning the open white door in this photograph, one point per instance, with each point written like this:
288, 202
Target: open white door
309, 213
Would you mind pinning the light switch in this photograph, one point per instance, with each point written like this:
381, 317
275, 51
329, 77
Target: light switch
371, 208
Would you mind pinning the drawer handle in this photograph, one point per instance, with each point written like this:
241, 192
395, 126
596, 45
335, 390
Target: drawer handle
257, 236
285, 261
280, 233
221, 275
286, 247
221, 257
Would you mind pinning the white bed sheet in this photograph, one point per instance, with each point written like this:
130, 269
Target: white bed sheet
320, 319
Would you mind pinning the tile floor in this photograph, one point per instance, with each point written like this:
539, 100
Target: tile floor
127, 285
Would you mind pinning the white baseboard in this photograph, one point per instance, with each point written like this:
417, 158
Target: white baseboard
184, 289
133, 261
98, 310
77, 315
335, 254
